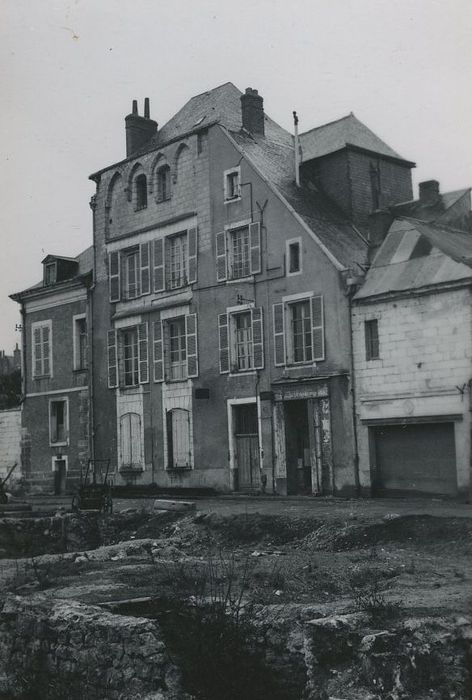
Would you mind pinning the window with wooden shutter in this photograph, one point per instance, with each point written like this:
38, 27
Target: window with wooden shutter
221, 263
143, 354
158, 351
112, 360
114, 276
192, 254
223, 336
257, 338
192, 345
317, 317
158, 264
145, 263
279, 334
255, 247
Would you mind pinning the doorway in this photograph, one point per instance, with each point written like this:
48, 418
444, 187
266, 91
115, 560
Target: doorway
60, 473
298, 442
246, 446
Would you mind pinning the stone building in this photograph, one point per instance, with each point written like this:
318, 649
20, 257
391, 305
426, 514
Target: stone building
224, 257
55, 407
412, 345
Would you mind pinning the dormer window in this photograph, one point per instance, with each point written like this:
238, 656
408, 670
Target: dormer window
141, 192
50, 273
232, 184
163, 183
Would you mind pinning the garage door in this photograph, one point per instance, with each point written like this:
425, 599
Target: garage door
412, 459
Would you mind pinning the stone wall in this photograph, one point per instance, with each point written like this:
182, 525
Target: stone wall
10, 442
81, 651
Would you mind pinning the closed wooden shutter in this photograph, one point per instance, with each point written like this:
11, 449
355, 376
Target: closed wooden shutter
279, 334
114, 276
221, 263
223, 335
317, 318
112, 360
158, 353
145, 263
192, 236
255, 247
257, 338
158, 265
192, 345
143, 354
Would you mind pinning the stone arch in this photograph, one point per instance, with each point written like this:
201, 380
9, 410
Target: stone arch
157, 163
114, 200
181, 154
135, 170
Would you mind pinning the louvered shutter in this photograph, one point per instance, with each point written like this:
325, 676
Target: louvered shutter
158, 265
112, 361
192, 345
221, 266
192, 244
317, 319
223, 335
279, 334
145, 264
37, 353
143, 353
114, 276
158, 351
255, 247
257, 338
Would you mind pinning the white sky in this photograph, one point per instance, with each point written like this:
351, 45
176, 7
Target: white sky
69, 70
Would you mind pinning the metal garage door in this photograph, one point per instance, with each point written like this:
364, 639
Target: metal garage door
418, 458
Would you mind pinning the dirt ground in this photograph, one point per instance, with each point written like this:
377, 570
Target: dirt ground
303, 558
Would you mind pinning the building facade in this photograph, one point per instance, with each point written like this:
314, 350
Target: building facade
55, 442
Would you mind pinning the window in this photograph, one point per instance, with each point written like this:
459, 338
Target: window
58, 422
42, 349
80, 342
177, 368
238, 252
163, 183
232, 185
130, 273
50, 273
298, 326
175, 351
176, 259
128, 356
179, 454
130, 442
371, 330
294, 256
141, 191
241, 340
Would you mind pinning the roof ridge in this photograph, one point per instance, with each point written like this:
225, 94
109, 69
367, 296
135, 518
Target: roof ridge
207, 92
333, 121
437, 225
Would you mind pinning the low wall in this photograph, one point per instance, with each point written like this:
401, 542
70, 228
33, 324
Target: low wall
68, 649
10, 442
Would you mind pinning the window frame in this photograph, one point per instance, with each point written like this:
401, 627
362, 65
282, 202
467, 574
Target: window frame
169, 241
231, 234
291, 345
50, 266
39, 325
288, 244
372, 341
141, 191
127, 254
78, 366
169, 438
227, 178
134, 358
282, 330
163, 175
59, 443
178, 321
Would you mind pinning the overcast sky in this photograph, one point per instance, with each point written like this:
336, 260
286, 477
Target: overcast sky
69, 70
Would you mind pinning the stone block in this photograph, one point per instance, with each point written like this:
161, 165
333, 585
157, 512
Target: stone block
164, 504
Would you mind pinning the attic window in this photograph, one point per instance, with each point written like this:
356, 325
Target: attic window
141, 192
50, 273
294, 256
232, 184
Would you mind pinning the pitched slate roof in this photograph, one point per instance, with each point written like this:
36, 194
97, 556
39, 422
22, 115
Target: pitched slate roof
336, 135
417, 209
417, 254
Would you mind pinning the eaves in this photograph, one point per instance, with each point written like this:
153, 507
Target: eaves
408, 293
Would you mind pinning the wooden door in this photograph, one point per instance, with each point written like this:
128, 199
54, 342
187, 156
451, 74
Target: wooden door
246, 438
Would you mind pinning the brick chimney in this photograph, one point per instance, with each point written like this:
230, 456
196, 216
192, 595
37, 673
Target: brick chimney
252, 109
139, 130
429, 192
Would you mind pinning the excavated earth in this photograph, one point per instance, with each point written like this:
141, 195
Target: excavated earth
236, 606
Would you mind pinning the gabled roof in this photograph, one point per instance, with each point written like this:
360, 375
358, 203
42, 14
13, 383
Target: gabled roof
417, 209
342, 133
275, 162
415, 255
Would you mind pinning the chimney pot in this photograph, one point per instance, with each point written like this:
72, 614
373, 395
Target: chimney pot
135, 107
146, 108
429, 191
252, 111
